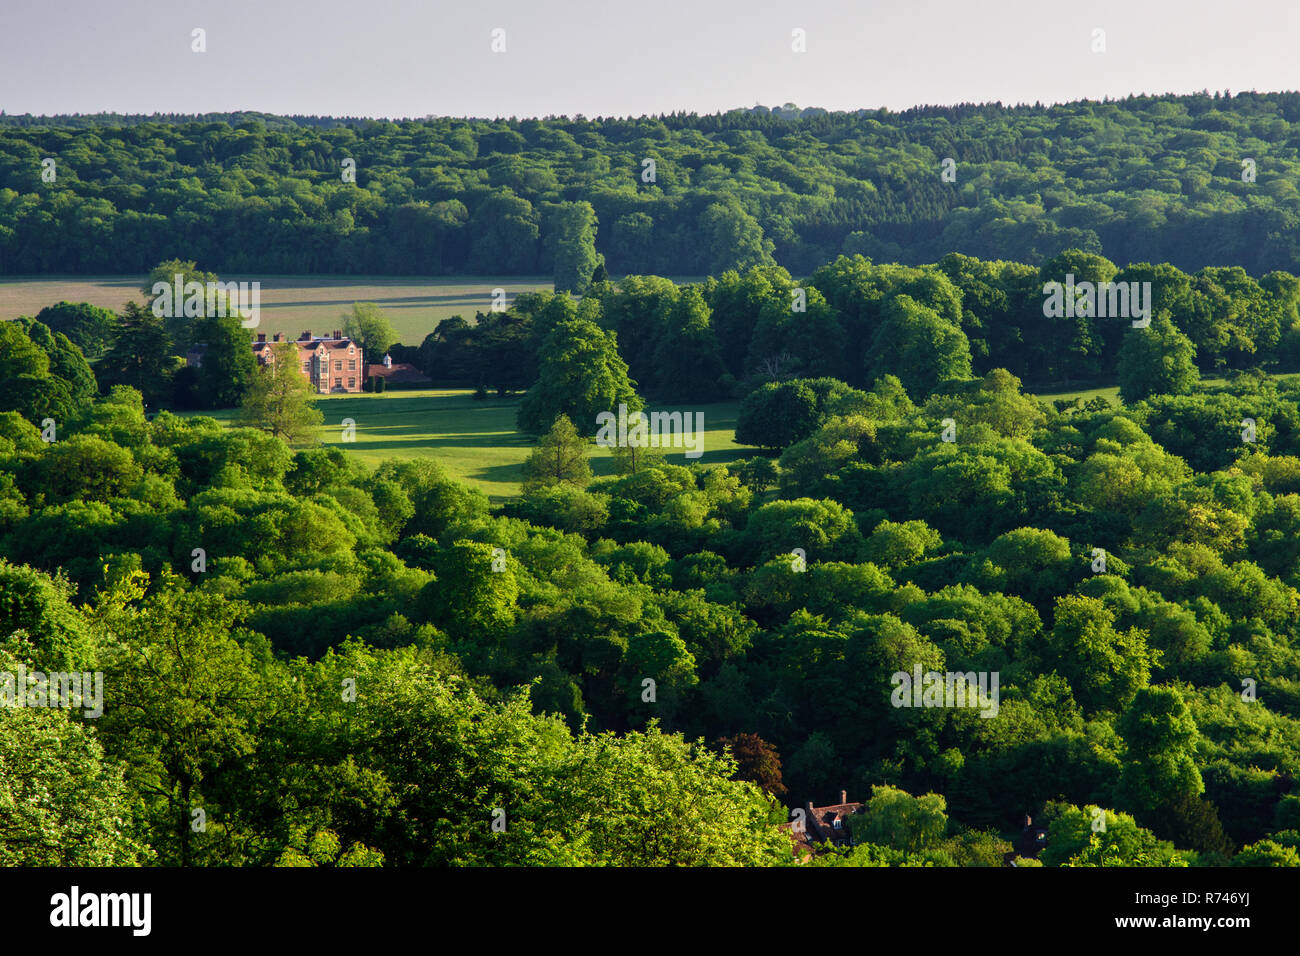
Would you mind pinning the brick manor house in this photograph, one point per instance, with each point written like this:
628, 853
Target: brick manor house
331, 364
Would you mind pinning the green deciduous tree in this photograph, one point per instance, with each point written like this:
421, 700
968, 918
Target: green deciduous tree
559, 458
581, 375
1158, 360
573, 242
62, 802
895, 818
87, 326
367, 325
1161, 735
919, 346
1105, 667
228, 367
280, 401
180, 705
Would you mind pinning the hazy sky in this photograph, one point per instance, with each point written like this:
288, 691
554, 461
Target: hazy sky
612, 57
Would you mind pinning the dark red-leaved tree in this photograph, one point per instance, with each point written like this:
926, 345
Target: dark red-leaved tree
756, 760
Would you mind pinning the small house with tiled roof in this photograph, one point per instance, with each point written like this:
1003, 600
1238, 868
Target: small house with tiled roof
397, 373
830, 824
801, 847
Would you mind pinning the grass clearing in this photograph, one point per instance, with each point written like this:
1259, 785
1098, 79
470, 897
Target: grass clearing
475, 440
1111, 394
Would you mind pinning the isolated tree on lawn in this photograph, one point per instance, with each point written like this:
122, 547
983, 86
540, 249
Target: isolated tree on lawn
279, 400
580, 374
367, 325
560, 458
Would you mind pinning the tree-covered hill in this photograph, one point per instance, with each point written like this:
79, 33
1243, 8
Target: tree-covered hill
1192, 180
323, 657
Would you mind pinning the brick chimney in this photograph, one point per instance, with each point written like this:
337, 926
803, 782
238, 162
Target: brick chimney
338, 334
844, 796
261, 336
305, 337
275, 337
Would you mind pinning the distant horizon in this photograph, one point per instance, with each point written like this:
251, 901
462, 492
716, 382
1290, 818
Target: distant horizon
579, 117
500, 58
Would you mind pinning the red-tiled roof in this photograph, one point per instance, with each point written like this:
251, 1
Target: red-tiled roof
800, 845
398, 373
821, 821
309, 345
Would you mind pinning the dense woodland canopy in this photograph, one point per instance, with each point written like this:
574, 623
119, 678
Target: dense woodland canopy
327, 658
349, 665
855, 320
1156, 179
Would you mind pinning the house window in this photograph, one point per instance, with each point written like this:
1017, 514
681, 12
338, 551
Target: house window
338, 366
839, 824
352, 365
352, 383
306, 368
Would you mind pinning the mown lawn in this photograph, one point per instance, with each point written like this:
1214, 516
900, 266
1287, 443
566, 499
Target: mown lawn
1111, 393
476, 441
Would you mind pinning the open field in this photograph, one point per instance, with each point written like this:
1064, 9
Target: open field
291, 304
1111, 394
476, 440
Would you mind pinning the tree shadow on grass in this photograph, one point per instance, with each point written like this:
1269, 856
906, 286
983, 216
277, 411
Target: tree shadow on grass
499, 474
